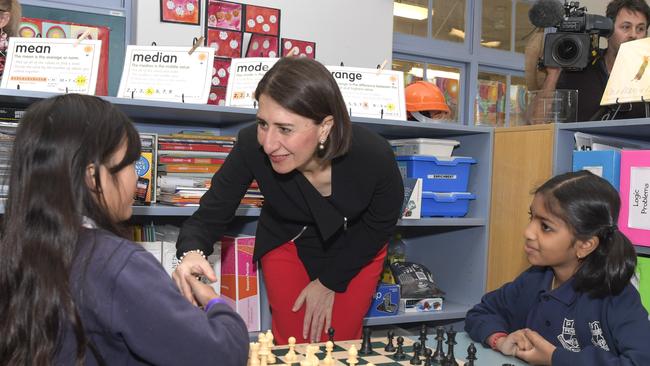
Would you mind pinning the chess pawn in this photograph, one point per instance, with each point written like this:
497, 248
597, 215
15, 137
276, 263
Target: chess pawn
269, 345
254, 359
291, 356
328, 360
399, 354
352, 356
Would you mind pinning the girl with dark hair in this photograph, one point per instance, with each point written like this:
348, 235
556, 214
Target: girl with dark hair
74, 291
575, 305
332, 197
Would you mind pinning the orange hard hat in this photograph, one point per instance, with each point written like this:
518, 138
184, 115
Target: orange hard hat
424, 96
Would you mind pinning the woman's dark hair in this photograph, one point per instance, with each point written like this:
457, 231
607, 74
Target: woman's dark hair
57, 139
305, 87
590, 206
638, 6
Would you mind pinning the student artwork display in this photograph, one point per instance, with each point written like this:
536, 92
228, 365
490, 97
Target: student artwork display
262, 46
225, 43
296, 47
262, 20
45, 28
224, 15
220, 72
180, 11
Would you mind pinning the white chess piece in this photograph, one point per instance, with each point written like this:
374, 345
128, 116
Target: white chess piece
352, 355
254, 359
264, 349
291, 356
269, 345
328, 360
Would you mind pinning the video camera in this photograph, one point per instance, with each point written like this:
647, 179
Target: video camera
575, 43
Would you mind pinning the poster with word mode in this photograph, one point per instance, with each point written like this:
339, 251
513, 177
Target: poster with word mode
52, 65
245, 74
167, 74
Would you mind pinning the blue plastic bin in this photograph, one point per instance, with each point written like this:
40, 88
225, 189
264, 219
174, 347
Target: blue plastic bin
438, 174
606, 164
450, 204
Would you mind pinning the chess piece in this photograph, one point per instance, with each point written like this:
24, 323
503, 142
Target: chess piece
254, 359
399, 355
416, 354
291, 356
366, 346
423, 338
328, 360
390, 347
264, 349
330, 335
352, 355
269, 344
428, 357
439, 354
451, 341
310, 354
471, 355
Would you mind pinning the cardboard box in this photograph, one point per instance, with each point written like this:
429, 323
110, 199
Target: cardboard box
170, 262
386, 301
634, 219
240, 279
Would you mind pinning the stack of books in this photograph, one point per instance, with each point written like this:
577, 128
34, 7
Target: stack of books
8, 125
186, 163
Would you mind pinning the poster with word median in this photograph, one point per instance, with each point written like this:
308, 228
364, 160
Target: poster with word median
52, 65
367, 92
167, 74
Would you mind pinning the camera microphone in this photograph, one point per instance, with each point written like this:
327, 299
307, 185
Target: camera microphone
546, 13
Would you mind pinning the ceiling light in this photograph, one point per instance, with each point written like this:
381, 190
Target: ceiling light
457, 33
418, 72
410, 11
492, 44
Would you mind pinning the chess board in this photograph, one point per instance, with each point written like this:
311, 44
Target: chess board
379, 357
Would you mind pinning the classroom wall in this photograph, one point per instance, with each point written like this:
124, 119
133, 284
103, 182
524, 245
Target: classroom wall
358, 33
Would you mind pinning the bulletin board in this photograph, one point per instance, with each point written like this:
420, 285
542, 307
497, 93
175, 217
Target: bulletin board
114, 25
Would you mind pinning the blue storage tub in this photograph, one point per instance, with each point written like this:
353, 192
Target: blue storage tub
438, 174
606, 164
450, 204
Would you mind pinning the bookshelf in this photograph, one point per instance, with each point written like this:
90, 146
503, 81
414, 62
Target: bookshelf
454, 249
634, 129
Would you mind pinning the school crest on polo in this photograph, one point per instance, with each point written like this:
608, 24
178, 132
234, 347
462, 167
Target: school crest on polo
597, 335
568, 337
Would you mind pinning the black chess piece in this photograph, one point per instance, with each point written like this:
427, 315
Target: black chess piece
439, 354
400, 355
451, 342
390, 347
416, 354
471, 355
330, 335
423, 338
366, 346
427, 357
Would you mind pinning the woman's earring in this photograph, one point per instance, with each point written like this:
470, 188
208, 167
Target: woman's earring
321, 145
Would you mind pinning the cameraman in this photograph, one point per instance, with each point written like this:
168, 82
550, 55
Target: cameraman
630, 19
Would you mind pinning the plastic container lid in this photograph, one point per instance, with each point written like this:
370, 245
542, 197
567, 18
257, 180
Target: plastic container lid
452, 160
423, 141
448, 196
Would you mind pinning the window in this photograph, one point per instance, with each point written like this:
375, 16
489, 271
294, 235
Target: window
495, 24
490, 104
447, 80
517, 101
523, 27
448, 20
410, 17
